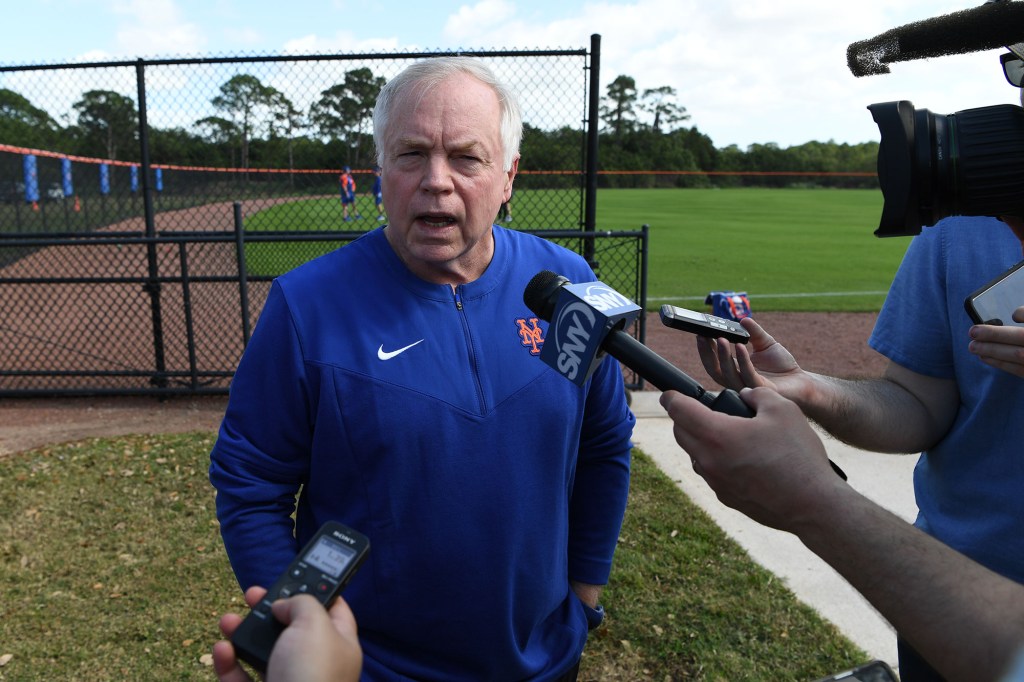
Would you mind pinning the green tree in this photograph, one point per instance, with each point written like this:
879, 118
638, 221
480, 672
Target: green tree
24, 124
617, 108
659, 102
286, 121
344, 110
244, 98
220, 132
109, 123
180, 146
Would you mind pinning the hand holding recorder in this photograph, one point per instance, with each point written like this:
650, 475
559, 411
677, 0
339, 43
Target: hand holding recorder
284, 631
315, 644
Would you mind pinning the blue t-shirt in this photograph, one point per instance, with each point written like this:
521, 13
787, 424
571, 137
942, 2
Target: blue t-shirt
970, 486
1016, 671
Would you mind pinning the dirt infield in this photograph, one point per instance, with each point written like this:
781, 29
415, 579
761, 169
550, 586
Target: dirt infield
833, 343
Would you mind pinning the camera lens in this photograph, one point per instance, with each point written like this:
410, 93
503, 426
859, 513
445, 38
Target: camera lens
931, 165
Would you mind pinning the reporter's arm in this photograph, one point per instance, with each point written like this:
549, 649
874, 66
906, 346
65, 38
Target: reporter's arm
902, 411
967, 621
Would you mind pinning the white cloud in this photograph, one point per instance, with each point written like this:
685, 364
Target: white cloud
243, 36
749, 70
469, 20
155, 27
342, 41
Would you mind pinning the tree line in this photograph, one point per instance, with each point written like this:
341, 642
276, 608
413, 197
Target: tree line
257, 126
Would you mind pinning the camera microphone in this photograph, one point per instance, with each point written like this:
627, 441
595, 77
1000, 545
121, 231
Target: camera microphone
988, 27
585, 319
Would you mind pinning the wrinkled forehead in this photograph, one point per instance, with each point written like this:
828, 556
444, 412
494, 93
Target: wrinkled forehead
462, 88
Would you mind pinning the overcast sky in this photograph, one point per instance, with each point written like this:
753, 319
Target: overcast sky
747, 71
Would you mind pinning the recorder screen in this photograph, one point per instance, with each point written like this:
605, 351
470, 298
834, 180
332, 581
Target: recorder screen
330, 556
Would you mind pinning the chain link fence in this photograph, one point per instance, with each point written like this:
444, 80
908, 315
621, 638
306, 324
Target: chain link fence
73, 147
145, 206
122, 329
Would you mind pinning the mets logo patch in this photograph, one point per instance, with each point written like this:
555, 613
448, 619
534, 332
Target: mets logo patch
530, 335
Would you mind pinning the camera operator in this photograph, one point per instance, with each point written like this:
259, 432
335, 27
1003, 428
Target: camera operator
951, 388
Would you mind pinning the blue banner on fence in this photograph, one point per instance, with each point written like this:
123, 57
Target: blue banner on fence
65, 177
159, 179
31, 178
104, 179
135, 179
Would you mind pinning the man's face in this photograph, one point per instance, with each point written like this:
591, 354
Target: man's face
443, 173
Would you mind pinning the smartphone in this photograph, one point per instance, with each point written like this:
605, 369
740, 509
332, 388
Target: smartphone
995, 302
703, 324
322, 569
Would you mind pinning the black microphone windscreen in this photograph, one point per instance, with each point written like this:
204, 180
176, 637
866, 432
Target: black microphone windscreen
541, 293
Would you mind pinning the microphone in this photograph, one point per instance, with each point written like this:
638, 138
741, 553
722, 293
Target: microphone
990, 26
589, 318
586, 319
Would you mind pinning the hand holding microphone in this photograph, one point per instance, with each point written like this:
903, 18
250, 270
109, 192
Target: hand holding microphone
588, 318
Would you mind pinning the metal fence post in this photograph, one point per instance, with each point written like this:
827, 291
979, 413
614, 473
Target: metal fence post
190, 330
243, 279
590, 202
152, 287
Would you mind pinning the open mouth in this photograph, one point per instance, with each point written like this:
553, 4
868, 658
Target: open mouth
437, 219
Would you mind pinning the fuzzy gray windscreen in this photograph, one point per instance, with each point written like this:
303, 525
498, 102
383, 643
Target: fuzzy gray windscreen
987, 27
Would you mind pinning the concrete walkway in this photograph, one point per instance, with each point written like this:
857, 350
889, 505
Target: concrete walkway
886, 479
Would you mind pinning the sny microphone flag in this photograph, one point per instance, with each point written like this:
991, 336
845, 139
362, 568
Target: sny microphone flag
584, 315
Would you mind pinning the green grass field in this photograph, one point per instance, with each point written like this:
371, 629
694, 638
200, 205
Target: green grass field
112, 568
789, 249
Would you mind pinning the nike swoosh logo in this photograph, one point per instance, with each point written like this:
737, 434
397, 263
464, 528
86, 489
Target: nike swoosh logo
387, 355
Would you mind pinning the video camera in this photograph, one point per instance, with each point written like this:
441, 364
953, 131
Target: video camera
968, 163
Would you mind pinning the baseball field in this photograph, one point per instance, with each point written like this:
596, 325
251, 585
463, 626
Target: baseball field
789, 249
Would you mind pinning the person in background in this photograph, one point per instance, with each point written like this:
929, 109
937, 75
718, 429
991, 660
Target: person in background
348, 193
378, 194
395, 385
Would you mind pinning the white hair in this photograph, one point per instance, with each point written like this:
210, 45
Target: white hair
428, 74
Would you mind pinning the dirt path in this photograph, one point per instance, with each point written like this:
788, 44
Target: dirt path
832, 343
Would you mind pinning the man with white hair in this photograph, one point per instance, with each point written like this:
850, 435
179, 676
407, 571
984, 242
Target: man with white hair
394, 385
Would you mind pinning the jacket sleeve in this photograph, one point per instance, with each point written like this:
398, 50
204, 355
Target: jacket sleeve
601, 487
261, 456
